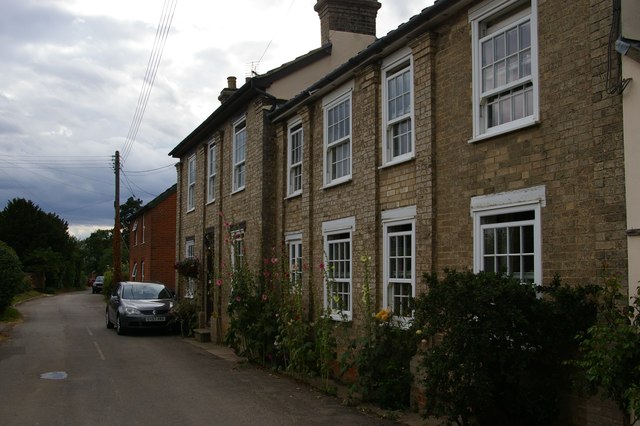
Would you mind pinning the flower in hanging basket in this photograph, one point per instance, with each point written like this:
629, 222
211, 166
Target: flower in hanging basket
188, 267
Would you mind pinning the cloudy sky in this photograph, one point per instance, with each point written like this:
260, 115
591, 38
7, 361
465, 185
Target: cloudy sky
72, 71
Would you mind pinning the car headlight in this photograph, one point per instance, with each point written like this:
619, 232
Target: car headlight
131, 311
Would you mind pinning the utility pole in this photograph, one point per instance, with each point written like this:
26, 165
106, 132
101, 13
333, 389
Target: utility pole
117, 262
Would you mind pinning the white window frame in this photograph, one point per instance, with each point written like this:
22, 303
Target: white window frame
529, 199
143, 229
478, 17
239, 169
294, 255
329, 103
392, 67
191, 183
212, 161
237, 248
294, 168
142, 271
390, 219
190, 251
134, 272
334, 228
134, 230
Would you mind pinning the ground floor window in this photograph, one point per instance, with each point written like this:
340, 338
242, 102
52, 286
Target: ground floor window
399, 260
190, 251
507, 233
338, 267
294, 249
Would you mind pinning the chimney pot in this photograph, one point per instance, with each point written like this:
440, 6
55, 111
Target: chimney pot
229, 90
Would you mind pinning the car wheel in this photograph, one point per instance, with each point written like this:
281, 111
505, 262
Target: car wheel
119, 327
109, 324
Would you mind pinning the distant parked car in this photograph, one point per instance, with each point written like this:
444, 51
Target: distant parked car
96, 287
140, 305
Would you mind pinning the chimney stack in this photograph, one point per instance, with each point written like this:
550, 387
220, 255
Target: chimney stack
229, 90
353, 16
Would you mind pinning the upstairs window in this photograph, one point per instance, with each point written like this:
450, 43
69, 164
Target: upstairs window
211, 172
505, 74
134, 271
239, 154
337, 139
398, 108
294, 159
191, 183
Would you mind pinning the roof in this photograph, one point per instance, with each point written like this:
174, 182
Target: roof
428, 18
255, 86
153, 203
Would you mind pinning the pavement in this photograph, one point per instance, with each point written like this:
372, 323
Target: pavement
407, 418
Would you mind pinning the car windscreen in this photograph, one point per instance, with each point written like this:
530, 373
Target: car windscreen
145, 291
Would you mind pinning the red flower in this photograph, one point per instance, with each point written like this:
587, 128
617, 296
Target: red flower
238, 299
219, 282
322, 265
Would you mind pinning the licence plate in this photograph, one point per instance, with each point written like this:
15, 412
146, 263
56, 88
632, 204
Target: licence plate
155, 319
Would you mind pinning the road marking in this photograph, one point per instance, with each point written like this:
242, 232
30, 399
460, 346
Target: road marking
89, 331
99, 351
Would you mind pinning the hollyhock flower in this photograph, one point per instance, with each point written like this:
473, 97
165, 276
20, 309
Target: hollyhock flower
219, 282
322, 265
264, 297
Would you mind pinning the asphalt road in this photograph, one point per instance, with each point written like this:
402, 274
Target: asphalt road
62, 366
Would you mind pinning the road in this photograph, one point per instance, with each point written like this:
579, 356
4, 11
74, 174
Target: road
62, 366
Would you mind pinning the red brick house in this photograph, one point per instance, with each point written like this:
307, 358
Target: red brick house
152, 241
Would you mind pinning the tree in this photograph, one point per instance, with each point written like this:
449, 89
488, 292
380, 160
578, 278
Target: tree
11, 276
41, 240
127, 209
25, 227
98, 249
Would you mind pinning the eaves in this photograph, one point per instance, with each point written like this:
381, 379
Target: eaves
427, 20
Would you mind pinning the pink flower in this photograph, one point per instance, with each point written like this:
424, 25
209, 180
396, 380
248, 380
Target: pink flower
238, 299
274, 260
266, 261
219, 282
264, 297
266, 274
322, 265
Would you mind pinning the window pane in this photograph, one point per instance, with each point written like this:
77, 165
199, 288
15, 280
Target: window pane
525, 63
527, 239
525, 35
501, 240
489, 264
514, 239
512, 68
499, 47
512, 41
487, 79
489, 239
487, 53
500, 74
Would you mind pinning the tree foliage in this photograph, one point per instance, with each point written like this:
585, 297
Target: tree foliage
611, 350
41, 242
11, 276
501, 351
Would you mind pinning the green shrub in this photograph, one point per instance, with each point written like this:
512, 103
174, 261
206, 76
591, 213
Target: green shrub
11, 276
187, 316
610, 350
108, 285
502, 348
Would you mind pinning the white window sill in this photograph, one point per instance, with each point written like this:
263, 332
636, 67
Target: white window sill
211, 201
337, 182
237, 190
395, 162
344, 317
294, 195
504, 130
191, 210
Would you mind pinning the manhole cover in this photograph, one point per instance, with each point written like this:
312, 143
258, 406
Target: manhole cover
54, 375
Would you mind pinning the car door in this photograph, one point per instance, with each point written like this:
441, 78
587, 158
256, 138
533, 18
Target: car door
114, 302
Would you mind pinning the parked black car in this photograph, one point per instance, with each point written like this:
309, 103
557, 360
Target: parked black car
96, 287
140, 305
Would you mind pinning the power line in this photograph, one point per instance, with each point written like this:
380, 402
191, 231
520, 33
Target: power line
162, 32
